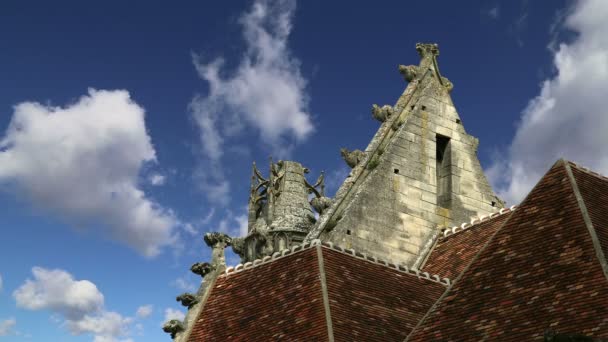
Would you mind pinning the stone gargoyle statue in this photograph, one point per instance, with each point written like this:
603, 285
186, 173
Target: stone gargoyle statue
352, 158
202, 268
409, 72
173, 327
213, 238
321, 203
381, 113
187, 299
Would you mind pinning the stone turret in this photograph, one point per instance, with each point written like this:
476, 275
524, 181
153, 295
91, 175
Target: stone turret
279, 213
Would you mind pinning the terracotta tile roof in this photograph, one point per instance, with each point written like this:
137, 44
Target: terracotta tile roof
453, 252
282, 297
539, 271
594, 190
371, 302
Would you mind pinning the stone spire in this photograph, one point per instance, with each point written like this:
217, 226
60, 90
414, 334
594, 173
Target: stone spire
418, 175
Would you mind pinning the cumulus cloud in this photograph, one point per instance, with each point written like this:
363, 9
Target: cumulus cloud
6, 326
156, 179
185, 284
265, 94
568, 118
78, 303
173, 314
144, 311
82, 162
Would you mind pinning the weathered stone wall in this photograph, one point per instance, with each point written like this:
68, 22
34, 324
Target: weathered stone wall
393, 202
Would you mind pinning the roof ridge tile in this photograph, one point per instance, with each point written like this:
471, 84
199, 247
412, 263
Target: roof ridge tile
588, 170
474, 222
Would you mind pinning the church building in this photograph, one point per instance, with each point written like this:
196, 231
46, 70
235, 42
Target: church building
415, 245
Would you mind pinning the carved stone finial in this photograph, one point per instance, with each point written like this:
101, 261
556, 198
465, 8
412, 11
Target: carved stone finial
447, 84
238, 246
409, 72
425, 49
187, 299
381, 113
202, 268
173, 327
321, 203
352, 158
214, 238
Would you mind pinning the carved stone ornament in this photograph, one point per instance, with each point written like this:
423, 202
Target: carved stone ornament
381, 113
352, 158
213, 238
187, 299
202, 268
409, 72
425, 50
173, 327
321, 203
238, 245
447, 84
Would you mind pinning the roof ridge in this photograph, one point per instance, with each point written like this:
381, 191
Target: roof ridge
474, 222
306, 246
588, 170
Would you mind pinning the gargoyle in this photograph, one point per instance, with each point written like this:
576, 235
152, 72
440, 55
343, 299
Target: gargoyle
173, 327
409, 72
352, 158
238, 246
202, 268
187, 299
321, 203
381, 113
214, 238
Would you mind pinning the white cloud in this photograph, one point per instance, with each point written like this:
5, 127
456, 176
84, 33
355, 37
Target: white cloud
156, 179
173, 314
82, 162
184, 284
6, 326
569, 117
265, 94
79, 302
56, 290
144, 311
494, 12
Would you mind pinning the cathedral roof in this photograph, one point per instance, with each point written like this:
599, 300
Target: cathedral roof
312, 291
543, 268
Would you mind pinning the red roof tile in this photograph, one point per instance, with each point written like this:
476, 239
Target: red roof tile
372, 302
453, 253
538, 272
283, 299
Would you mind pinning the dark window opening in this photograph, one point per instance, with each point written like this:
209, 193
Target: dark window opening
423, 107
493, 203
457, 121
443, 171
412, 107
396, 171
348, 232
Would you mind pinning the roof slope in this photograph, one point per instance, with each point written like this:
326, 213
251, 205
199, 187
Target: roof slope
269, 302
372, 302
287, 296
594, 190
538, 271
454, 252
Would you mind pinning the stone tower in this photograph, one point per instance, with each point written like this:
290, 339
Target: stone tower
418, 175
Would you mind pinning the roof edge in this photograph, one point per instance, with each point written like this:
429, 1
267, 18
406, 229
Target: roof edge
474, 222
329, 245
599, 253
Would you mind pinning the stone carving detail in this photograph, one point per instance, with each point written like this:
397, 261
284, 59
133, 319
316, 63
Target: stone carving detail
447, 84
321, 203
427, 50
381, 113
409, 72
187, 299
202, 268
173, 327
213, 238
238, 245
352, 158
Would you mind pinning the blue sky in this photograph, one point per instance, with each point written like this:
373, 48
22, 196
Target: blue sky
128, 129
